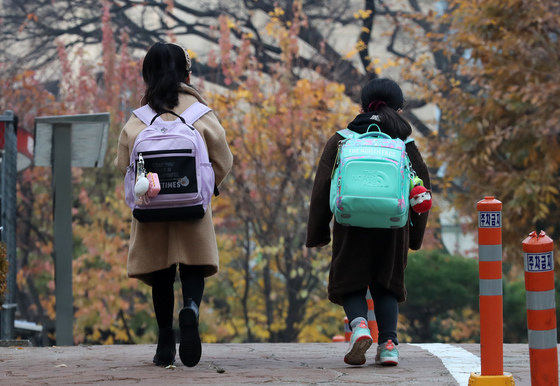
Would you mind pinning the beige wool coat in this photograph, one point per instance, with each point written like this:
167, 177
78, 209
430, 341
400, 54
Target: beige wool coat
159, 245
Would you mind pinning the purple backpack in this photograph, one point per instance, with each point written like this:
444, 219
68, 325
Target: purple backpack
175, 151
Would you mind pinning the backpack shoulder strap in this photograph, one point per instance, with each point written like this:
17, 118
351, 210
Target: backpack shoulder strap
145, 114
347, 133
194, 112
408, 163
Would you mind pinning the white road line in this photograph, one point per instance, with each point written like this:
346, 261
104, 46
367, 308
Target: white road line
459, 362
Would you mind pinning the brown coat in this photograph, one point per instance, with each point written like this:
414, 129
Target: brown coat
158, 245
361, 256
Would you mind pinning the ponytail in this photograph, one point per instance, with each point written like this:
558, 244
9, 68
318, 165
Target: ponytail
393, 122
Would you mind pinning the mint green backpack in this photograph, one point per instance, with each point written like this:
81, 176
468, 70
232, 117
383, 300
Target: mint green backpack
371, 180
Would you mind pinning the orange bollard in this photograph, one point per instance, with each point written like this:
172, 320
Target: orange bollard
490, 275
347, 331
338, 338
490, 299
538, 260
372, 322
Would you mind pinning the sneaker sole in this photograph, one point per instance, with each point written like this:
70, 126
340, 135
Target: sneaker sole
190, 348
356, 355
389, 362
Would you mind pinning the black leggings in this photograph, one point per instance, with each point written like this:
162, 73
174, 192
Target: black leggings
192, 283
385, 306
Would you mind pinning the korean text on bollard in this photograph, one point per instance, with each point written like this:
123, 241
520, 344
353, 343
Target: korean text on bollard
541, 308
490, 299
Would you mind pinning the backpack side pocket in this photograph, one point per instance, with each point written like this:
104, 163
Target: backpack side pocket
129, 180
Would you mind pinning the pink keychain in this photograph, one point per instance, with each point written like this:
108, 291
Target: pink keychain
153, 188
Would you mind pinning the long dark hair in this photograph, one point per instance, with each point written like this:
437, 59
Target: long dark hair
164, 67
385, 97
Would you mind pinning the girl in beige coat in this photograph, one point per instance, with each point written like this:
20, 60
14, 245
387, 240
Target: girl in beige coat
157, 248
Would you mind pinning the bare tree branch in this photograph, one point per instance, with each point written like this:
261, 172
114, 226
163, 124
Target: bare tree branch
417, 123
38, 24
365, 37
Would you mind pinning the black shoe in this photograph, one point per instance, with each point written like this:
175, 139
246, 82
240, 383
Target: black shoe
165, 351
190, 347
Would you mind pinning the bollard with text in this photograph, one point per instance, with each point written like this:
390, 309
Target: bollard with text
538, 260
490, 299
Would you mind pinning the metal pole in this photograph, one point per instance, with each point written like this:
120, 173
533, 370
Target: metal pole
62, 180
8, 221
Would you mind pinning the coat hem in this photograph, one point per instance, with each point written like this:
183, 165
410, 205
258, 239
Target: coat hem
146, 277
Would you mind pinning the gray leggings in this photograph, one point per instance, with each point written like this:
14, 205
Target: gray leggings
386, 310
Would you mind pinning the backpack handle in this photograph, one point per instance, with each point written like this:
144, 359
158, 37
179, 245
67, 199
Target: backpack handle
376, 126
377, 133
170, 112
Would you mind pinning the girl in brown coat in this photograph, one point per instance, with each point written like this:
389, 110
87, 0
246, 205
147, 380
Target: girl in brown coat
157, 248
368, 257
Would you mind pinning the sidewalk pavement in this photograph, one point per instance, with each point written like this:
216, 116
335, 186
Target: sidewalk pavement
237, 364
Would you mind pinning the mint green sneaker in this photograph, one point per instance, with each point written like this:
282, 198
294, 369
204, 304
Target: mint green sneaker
387, 354
360, 341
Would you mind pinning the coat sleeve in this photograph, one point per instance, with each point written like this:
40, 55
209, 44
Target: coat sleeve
418, 220
218, 149
123, 152
320, 215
